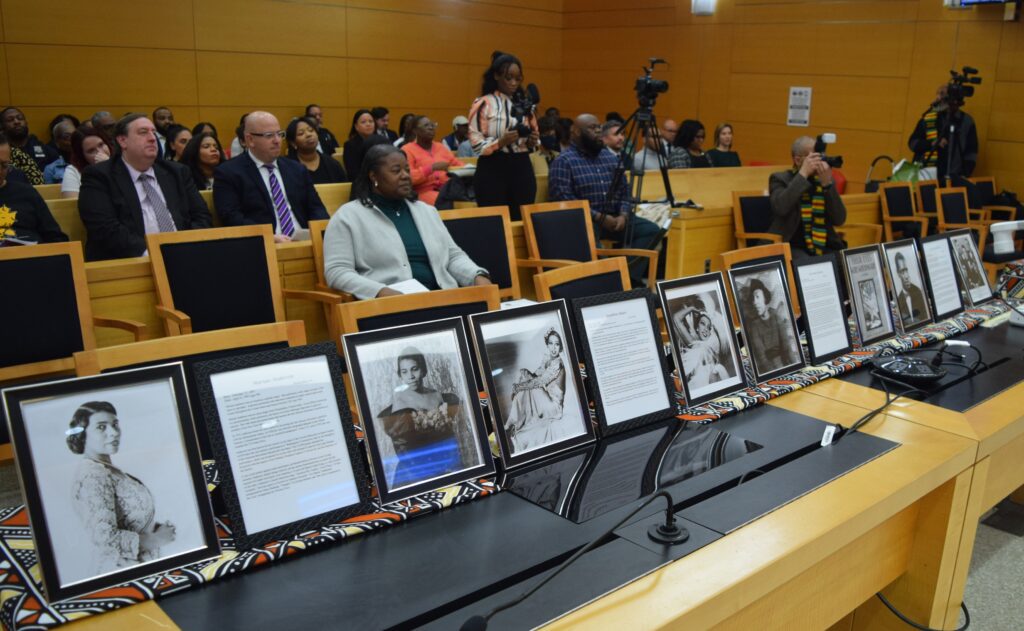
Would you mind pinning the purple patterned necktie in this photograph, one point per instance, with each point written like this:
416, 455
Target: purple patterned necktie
284, 217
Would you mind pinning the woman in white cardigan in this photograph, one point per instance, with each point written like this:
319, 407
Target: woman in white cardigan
382, 237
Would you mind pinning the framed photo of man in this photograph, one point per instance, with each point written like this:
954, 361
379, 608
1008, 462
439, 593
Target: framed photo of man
907, 282
282, 434
969, 266
418, 405
766, 317
940, 272
865, 283
700, 328
531, 374
818, 287
112, 476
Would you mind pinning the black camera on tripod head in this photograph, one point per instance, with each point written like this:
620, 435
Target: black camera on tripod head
961, 86
524, 104
822, 143
648, 89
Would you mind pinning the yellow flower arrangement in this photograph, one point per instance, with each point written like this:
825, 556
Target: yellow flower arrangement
7, 217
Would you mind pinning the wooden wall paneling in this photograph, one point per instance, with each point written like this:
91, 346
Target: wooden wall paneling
411, 86
448, 38
549, 82
544, 14
5, 83
535, 47
124, 23
1011, 53
656, 16
977, 45
932, 58
543, 5
618, 48
264, 26
683, 75
576, 6
101, 76
598, 91
1005, 120
1004, 160
268, 81
814, 11
716, 42
929, 11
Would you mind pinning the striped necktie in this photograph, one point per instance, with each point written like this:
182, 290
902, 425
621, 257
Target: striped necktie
284, 215
164, 221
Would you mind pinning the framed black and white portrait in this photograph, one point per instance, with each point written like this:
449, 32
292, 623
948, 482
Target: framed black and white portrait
907, 282
766, 317
282, 434
531, 374
112, 477
704, 345
969, 266
940, 272
866, 285
626, 367
817, 285
417, 402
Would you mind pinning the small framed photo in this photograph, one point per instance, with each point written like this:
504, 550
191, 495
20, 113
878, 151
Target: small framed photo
907, 282
766, 316
533, 383
940, 272
112, 478
817, 285
629, 377
699, 322
418, 404
280, 428
969, 266
866, 287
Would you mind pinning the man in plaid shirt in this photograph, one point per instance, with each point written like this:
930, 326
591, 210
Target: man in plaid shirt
585, 171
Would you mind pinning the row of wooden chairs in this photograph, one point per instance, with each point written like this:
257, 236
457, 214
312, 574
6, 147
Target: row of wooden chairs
752, 216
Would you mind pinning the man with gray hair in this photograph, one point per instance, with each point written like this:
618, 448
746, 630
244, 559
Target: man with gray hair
805, 204
61, 133
104, 122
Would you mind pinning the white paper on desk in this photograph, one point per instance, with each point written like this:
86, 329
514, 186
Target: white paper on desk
825, 317
300, 234
941, 277
512, 304
411, 286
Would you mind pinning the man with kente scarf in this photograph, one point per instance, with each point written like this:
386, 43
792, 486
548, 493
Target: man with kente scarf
805, 204
931, 142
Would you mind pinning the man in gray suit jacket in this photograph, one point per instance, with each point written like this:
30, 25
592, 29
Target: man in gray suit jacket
790, 189
133, 194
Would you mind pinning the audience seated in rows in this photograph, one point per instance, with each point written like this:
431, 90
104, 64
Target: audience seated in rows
104, 122
32, 220
28, 155
381, 120
429, 161
361, 130
611, 136
327, 144
258, 188
163, 118
89, 146
53, 173
723, 155
687, 149
177, 136
202, 155
303, 143
459, 135
384, 236
134, 193
405, 127
66, 153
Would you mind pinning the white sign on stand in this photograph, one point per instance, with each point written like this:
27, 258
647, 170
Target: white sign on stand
799, 107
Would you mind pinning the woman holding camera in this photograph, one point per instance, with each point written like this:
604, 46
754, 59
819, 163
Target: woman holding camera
503, 138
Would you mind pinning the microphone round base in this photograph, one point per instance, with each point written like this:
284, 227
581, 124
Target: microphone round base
668, 535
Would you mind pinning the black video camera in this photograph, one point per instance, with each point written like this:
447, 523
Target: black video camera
648, 89
961, 85
524, 103
822, 143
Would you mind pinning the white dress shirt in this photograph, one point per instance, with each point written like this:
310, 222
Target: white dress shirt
148, 214
265, 174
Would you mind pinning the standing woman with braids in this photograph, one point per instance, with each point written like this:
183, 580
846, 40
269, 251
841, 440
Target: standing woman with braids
504, 173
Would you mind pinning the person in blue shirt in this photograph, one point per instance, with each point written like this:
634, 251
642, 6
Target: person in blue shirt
54, 172
585, 171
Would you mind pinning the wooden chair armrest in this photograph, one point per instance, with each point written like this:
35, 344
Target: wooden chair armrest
978, 215
136, 328
540, 264
652, 265
1010, 211
875, 228
323, 297
183, 321
765, 236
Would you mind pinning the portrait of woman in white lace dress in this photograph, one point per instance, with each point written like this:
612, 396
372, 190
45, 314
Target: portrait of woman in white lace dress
116, 510
538, 400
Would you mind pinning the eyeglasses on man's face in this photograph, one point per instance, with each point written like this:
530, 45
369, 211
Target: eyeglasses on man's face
267, 134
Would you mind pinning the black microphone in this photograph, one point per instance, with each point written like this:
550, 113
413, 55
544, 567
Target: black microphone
668, 533
969, 70
534, 93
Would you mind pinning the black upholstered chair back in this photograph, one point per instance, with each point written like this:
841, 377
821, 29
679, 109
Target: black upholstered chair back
985, 192
483, 240
40, 319
562, 234
220, 283
927, 191
383, 321
900, 200
954, 207
605, 283
756, 212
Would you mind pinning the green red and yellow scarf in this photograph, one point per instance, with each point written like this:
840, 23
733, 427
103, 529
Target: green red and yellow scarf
931, 134
812, 214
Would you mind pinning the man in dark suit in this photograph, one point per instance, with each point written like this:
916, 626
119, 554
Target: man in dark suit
910, 298
257, 188
327, 143
381, 118
133, 194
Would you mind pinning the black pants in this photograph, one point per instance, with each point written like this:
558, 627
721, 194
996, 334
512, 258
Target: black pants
505, 179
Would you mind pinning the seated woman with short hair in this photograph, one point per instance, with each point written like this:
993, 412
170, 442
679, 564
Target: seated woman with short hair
383, 237
303, 139
428, 161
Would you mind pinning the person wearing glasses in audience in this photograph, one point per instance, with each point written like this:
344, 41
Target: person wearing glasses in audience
258, 188
302, 146
686, 152
384, 236
429, 161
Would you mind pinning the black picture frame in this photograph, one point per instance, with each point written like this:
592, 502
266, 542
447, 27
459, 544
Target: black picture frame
940, 269
500, 339
376, 355
776, 272
969, 266
861, 283
670, 293
228, 458
891, 253
818, 356
71, 565
638, 299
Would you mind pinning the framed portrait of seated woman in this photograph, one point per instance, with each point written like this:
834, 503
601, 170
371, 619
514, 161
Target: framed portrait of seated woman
531, 374
112, 477
626, 368
418, 405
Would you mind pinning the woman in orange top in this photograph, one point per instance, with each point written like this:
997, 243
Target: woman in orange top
428, 160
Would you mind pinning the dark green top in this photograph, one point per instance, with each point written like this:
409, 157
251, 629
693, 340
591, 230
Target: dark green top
397, 210
724, 158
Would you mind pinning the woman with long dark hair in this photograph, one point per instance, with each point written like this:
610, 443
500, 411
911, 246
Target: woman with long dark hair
362, 128
88, 146
504, 173
687, 152
202, 155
